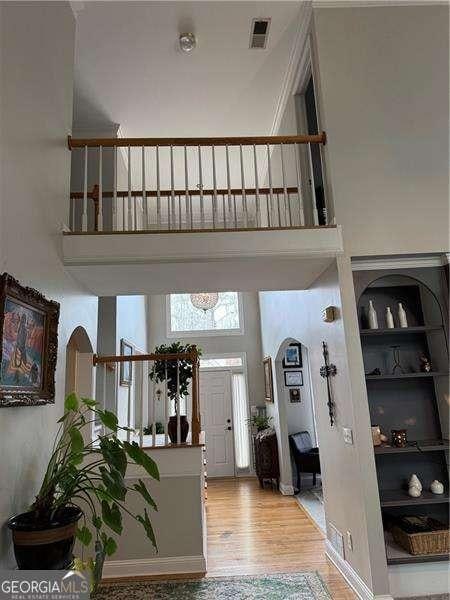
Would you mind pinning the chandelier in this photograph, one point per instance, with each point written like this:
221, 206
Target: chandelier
204, 300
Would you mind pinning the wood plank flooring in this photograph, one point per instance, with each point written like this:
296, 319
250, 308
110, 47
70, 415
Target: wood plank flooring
252, 531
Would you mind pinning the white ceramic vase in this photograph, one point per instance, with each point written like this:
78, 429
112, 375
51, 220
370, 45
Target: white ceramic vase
389, 318
415, 481
414, 491
402, 316
373, 318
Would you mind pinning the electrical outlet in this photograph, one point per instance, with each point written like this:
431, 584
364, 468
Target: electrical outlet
348, 435
349, 541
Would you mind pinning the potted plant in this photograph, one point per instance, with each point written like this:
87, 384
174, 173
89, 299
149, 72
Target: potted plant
177, 375
261, 422
83, 493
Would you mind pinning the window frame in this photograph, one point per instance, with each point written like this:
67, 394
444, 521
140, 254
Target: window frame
197, 333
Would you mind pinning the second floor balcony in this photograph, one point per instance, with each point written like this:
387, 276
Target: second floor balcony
148, 200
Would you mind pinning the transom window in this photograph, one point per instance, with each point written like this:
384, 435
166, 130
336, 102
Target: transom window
224, 319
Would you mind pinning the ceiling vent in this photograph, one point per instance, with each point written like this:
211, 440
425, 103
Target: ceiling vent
259, 33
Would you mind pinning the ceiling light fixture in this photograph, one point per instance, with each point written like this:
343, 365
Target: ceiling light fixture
204, 300
187, 42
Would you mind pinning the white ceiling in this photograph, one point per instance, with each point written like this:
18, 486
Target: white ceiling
129, 71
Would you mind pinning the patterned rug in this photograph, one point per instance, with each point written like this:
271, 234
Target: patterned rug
283, 586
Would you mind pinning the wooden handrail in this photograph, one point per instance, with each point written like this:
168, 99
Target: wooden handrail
191, 356
168, 193
319, 138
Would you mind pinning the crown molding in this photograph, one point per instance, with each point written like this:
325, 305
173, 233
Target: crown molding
292, 74
376, 3
401, 262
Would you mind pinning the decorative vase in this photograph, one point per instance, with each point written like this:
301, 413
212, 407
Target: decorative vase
45, 545
403, 321
389, 318
399, 439
172, 429
415, 481
437, 487
373, 319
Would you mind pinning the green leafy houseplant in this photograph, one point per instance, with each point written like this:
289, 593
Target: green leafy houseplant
167, 370
261, 422
90, 476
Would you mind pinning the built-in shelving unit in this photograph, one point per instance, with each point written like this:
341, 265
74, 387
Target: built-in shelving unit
406, 397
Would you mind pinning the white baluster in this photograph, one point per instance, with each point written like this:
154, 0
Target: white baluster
279, 209
187, 195
200, 185
135, 219
257, 208
313, 188
158, 191
166, 407
114, 201
129, 407
224, 212
178, 404
100, 188
142, 403
104, 392
244, 196
214, 202
227, 153
130, 212
301, 214
171, 206
84, 222
144, 193
269, 170
286, 196
180, 215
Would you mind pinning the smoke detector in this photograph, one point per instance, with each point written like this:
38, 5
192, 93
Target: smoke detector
259, 33
187, 42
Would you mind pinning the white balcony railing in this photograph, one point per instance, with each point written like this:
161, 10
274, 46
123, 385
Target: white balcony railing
193, 184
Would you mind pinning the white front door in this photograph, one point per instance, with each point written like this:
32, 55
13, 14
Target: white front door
216, 410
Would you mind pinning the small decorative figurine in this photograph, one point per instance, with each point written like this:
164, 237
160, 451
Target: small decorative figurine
374, 372
399, 439
425, 364
402, 316
437, 487
378, 437
415, 481
414, 491
373, 318
389, 318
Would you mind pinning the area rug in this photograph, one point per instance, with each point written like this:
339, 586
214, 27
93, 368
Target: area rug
283, 586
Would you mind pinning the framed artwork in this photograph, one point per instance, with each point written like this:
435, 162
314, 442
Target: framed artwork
126, 368
293, 357
294, 395
293, 378
28, 345
268, 383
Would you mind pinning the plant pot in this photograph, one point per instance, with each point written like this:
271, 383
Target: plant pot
172, 429
45, 546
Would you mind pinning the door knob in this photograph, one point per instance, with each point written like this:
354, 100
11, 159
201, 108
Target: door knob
228, 420
228, 428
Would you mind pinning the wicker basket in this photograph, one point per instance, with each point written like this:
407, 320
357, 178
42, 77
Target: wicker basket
429, 542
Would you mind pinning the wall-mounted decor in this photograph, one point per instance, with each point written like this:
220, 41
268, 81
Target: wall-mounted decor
268, 383
293, 378
328, 370
293, 356
126, 368
294, 395
28, 345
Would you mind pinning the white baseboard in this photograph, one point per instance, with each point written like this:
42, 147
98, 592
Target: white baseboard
286, 489
154, 566
351, 576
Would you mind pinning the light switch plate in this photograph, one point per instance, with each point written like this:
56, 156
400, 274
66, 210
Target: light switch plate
348, 435
349, 541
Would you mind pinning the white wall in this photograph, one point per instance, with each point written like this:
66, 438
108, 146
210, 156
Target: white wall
384, 78
348, 470
37, 44
249, 342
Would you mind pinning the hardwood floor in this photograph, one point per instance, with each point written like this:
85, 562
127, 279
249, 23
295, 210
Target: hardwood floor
252, 531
